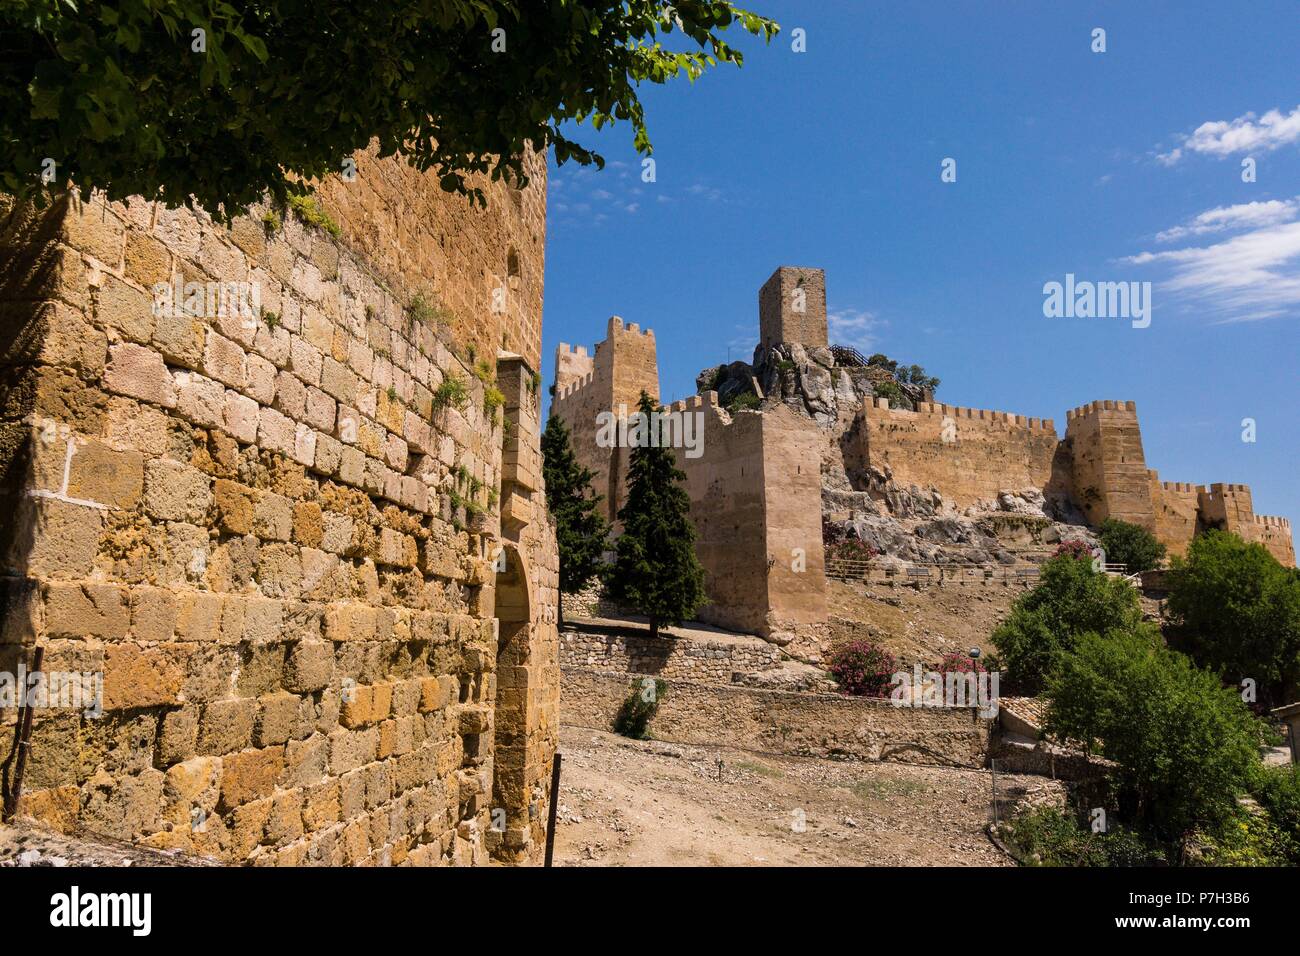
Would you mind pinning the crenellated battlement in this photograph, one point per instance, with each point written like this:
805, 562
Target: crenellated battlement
1273, 521
573, 388
1097, 407
970, 414
617, 325
1219, 488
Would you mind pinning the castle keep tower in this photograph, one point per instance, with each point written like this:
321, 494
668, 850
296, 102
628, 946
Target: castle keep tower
792, 308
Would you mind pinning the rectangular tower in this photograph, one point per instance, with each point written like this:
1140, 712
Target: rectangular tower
792, 307
1109, 469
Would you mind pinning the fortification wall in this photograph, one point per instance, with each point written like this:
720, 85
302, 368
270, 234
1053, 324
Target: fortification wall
1176, 509
756, 502
969, 454
1275, 534
245, 527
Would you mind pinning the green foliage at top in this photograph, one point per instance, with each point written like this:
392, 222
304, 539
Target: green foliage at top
656, 570
1186, 746
581, 531
125, 96
743, 400
891, 391
1071, 599
1130, 545
1236, 610
905, 374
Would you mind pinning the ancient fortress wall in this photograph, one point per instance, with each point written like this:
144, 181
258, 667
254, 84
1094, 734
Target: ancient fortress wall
269, 536
609, 381
1183, 510
1176, 507
970, 454
756, 502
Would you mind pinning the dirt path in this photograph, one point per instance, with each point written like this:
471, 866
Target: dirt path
646, 803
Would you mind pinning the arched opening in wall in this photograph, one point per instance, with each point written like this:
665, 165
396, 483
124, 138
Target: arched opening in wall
510, 787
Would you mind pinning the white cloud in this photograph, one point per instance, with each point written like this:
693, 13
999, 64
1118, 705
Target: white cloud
1241, 135
1240, 216
1255, 275
853, 327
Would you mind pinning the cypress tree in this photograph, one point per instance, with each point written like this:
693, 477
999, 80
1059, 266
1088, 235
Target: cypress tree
581, 531
656, 570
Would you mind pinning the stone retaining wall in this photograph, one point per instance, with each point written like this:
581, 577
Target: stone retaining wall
820, 725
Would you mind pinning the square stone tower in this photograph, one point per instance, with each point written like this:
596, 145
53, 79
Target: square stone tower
792, 307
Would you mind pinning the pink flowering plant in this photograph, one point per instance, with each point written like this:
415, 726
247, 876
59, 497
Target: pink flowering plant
955, 662
863, 668
1073, 549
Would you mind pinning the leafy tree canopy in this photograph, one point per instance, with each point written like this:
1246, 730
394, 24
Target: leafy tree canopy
1236, 610
1186, 747
1071, 599
223, 102
1130, 545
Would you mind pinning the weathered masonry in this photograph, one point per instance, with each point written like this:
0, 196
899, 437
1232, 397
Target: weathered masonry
304, 548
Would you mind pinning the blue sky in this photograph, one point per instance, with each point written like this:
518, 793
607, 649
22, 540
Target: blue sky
1115, 166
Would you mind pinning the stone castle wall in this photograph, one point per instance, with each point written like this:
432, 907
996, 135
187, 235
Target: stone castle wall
755, 496
610, 380
970, 454
712, 662
256, 530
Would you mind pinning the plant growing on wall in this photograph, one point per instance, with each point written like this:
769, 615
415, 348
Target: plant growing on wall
581, 531
450, 393
223, 102
656, 570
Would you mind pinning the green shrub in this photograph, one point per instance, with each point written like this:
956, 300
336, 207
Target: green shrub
1248, 839
1236, 610
1130, 545
639, 708
1186, 748
1051, 837
742, 401
862, 668
1277, 790
1070, 599
891, 391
